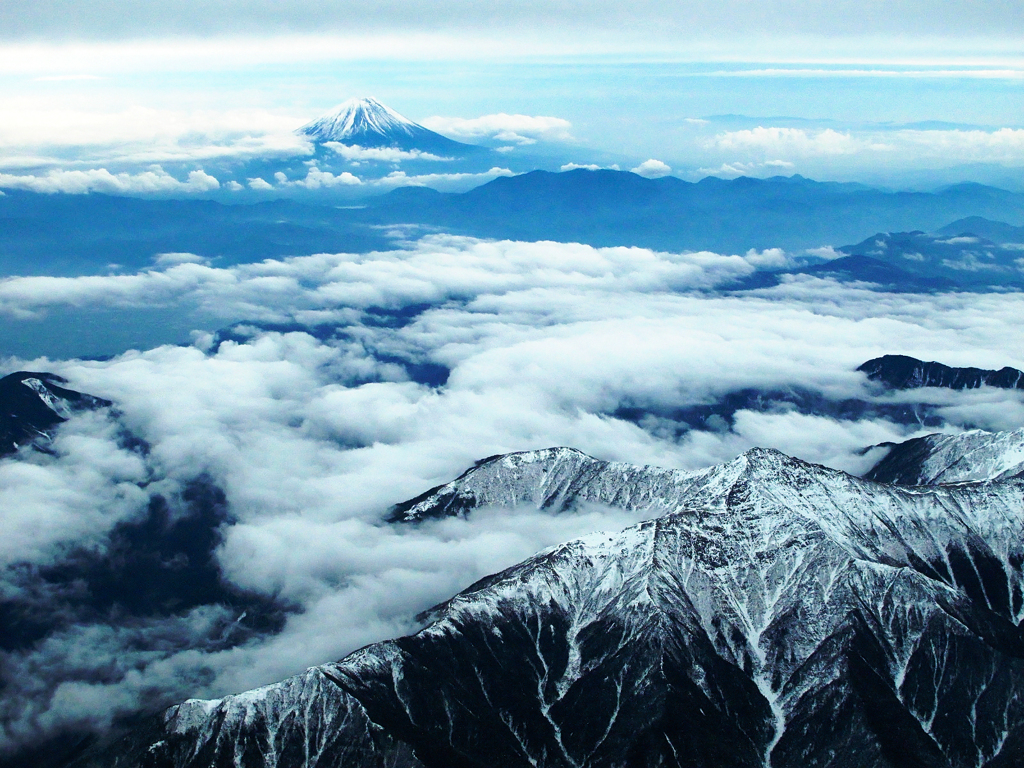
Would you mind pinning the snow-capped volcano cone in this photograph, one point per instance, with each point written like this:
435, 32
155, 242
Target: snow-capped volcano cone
368, 123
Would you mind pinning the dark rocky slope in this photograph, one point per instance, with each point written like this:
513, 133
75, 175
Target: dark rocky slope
903, 372
774, 613
33, 404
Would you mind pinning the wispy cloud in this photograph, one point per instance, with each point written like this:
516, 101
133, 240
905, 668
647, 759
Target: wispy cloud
507, 129
652, 169
765, 146
63, 78
381, 154
965, 73
788, 141
39, 136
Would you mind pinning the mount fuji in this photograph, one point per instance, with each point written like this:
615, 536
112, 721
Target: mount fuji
368, 123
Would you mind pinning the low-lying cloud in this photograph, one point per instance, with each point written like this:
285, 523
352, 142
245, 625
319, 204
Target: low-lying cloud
380, 154
37, 136
102, 180
519, 130
786, 144
349, 382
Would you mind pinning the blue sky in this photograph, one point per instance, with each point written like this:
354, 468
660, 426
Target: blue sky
100, 88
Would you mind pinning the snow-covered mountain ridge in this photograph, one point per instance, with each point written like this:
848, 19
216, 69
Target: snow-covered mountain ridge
968, 457
774, 613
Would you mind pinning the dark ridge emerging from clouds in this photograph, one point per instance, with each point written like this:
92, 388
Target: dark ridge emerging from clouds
903, 372
26, 416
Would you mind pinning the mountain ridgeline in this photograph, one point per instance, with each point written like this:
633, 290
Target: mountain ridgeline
606, 208
82, 234
770, 612
903, 372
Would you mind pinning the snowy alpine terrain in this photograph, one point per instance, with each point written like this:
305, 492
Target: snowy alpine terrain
970, 456
771, 613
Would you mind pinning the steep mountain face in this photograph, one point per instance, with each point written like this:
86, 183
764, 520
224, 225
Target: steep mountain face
903, 372
33, 404
969, 457
368, 123
775, 613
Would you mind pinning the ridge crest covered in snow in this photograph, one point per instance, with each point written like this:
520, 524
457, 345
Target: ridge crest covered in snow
772, 613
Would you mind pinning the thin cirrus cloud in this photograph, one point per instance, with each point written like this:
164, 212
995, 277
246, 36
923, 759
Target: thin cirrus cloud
102, 19
902, 145
503, 128
961, 73
313, 437
40, 135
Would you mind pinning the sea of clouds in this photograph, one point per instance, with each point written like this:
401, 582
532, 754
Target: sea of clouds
350, 382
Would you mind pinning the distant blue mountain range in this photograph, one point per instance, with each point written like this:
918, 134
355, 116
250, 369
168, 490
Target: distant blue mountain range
64, 234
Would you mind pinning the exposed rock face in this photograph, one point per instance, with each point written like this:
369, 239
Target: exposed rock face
902, 372
33, 404
773, 613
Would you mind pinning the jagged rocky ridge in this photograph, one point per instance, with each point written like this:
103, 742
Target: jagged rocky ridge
903, 372
774, 613
33, 404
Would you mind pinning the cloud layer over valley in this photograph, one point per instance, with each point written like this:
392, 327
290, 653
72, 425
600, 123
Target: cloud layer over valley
266, 455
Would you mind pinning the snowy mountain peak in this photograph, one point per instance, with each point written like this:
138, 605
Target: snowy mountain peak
973, 456
365, 122
357, 118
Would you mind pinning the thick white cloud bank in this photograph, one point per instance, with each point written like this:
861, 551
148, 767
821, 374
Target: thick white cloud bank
312, 435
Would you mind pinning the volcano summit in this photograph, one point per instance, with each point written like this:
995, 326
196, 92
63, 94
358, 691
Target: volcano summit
368, 123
